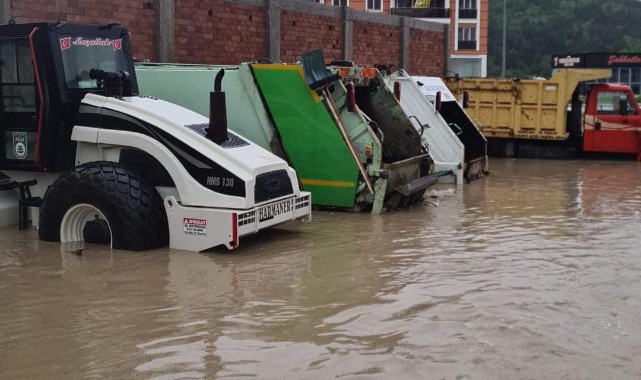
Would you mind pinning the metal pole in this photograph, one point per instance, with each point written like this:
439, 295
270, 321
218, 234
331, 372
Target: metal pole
504, 37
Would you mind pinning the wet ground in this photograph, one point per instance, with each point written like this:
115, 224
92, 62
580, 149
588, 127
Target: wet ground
533, 272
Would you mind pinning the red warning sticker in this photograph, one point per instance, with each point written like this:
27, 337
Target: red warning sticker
192, 226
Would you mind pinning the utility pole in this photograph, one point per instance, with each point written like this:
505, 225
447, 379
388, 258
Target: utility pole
504, 37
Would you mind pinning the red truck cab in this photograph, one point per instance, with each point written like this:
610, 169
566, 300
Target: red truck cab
612, 120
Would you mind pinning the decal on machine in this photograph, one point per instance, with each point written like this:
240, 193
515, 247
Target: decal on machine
220, 181
20, 145
68, 42
273, 210
193, 226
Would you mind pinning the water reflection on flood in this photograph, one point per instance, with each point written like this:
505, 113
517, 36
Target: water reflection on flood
533, 272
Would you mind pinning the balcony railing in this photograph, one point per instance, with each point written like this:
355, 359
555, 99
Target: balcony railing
467, 45
410, 3
467, 13
431, 12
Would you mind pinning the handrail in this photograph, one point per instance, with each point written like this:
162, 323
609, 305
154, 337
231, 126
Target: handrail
40, 96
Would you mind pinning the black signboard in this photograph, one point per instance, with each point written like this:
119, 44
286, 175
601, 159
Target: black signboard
568, 60
596, 60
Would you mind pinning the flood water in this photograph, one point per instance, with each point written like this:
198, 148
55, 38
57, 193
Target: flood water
533, 272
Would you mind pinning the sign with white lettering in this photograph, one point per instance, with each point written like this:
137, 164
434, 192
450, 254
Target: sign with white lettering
69, 42
596, 60
567, 61
20, 145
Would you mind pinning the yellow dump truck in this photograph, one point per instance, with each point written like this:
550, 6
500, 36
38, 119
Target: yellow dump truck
545, 118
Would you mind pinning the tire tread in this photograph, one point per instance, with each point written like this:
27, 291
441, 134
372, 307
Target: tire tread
133, 206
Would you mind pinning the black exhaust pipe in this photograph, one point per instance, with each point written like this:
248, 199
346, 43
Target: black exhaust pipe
217, 130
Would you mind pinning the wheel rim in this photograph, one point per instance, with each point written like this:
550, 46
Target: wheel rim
74, 221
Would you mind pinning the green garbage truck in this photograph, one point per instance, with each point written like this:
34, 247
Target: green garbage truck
339, 156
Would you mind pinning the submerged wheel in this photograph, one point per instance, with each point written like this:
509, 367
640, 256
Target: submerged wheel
104, 202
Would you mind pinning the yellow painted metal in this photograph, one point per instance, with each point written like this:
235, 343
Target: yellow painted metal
523, 108
320, 182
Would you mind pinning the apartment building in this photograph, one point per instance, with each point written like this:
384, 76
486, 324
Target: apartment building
467, 20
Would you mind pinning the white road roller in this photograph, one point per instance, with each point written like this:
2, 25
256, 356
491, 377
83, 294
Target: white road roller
118, 168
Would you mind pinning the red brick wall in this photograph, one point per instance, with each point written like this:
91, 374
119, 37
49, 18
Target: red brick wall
141, 22
427, 52
300, 32
228, 32
376, 43
219, 32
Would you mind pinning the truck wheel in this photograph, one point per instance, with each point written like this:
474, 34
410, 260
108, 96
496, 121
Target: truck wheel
100, 198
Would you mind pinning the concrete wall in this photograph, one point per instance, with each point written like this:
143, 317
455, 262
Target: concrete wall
230, 32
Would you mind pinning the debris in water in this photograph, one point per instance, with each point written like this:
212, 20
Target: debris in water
433, 198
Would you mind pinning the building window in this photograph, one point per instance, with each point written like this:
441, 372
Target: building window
635, 81
630, 76
636, 74
467, 33
467, 9
341, 3
374, 5
467, 38
626, 75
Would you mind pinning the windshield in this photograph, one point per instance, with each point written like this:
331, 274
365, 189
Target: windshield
610, 103
80, 54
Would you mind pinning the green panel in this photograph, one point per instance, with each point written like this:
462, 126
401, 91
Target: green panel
309, 135
189, 86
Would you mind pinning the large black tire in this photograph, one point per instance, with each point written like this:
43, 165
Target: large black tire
132, 207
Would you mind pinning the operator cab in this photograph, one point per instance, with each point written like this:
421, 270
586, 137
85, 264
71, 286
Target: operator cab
45, 71
612, 120
615, 100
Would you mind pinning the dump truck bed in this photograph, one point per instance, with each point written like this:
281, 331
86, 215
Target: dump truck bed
523, 108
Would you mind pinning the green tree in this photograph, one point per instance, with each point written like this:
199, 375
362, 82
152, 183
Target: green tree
537, 29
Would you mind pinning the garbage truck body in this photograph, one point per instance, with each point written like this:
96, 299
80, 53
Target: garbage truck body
453, 139
276, 108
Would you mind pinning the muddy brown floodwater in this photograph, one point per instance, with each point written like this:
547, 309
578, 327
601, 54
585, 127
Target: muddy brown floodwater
532, 273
